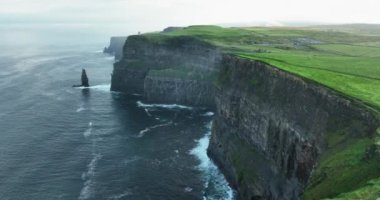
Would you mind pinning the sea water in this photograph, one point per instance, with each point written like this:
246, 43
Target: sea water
60, 142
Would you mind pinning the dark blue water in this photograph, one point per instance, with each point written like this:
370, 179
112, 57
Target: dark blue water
59, 142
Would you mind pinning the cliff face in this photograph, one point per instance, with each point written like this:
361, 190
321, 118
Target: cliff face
176, 90
271, 127
116, 47
272, 132
168, 57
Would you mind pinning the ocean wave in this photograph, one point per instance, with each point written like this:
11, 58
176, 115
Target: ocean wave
120, 196
80, 109
88, 131
102, 87
208, 114
188, 189
211, 174
143, 132
109, 58
147, 112
88, 186
168, 106
131, 160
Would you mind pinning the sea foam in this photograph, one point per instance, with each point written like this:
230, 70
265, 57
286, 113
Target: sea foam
80, 109
210, 171
102, 87
88, 131
143, 132
121, 196
88, 176
168, 106
208, 114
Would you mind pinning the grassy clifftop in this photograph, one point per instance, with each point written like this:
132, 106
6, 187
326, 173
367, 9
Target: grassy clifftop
345, 58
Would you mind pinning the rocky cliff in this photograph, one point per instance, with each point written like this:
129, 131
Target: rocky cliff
272, 127
275, 135
116, 47
175, 69
177, 90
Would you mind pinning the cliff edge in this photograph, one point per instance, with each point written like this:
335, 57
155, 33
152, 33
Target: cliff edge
275, 134
116, 47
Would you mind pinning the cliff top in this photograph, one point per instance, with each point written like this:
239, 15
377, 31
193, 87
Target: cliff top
345, 58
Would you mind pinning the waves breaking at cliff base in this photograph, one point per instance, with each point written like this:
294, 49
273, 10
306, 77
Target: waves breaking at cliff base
215, 185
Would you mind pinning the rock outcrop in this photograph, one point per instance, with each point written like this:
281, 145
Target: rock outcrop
84, 80
116, 47
181, 65
176, 90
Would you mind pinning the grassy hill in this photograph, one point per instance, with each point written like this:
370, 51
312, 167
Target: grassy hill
345, 58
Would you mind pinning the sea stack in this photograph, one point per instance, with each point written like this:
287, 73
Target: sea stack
84, 80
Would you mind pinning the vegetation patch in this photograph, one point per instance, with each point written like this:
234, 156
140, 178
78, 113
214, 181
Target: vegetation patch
347, 164
370, 191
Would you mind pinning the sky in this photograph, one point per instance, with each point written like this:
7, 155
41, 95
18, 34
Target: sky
123, 17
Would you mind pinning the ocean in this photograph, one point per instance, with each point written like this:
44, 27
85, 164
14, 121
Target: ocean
60, 142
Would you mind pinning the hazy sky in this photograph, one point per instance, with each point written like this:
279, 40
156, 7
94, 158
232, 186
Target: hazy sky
118, 17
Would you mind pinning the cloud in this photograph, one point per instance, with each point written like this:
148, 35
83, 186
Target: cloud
158, 13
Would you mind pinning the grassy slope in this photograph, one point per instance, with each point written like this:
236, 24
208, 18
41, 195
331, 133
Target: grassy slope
344, 58
348, 62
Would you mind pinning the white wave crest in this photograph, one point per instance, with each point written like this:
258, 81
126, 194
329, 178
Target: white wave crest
88, 131
120, 196
103, 87
147, 112
110, 58
168, 106
208, 114
143, 132
188, 189
87, 190
80, 109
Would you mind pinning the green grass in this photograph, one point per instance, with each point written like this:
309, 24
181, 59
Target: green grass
345, 58
370, 191
343, 169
